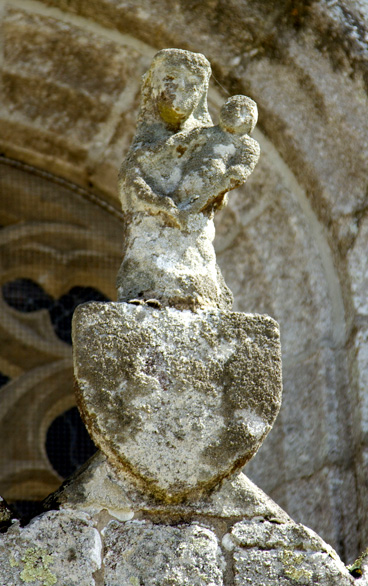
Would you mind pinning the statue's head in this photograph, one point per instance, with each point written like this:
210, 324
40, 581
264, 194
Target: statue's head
174, 90
238, 115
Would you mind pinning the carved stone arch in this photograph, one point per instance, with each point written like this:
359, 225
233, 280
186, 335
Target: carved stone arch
31, 402
289, 244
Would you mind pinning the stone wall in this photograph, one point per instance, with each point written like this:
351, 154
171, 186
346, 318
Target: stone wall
292, 243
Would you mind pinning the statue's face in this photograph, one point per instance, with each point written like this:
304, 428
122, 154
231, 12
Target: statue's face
177, 91
239, 115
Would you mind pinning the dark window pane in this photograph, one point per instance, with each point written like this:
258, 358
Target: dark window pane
27, 509
3, 379
26, 295
62, 310
68, 444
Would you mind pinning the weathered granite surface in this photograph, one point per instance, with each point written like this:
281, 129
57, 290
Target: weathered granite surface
140, 552
180, 399
108, 532
97, 487
58, 547
175, 176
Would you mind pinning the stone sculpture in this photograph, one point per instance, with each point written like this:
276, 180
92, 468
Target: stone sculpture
176, 390
190, 389
177, 173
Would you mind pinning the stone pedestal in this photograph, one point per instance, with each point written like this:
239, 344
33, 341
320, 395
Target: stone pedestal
101, 529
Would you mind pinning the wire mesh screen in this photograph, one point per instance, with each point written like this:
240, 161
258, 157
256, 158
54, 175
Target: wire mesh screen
59, 246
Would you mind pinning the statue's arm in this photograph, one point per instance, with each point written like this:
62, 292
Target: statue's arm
246, 157
137, 195
238, 167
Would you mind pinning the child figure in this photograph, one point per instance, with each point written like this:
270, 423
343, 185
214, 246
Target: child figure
238, 115
218, 158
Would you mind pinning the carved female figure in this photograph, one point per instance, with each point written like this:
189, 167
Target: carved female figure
176, 174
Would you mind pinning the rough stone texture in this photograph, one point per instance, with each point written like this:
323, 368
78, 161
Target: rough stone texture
332, 486
163, 267
179, 398
276, 536
294, 290
358, 269
359, 365
64, 55
99, 487
176, 175
305, 63
55, 548
358, 274
234, 536
359, 569
6, 514
285, 567
265, 553
140, 552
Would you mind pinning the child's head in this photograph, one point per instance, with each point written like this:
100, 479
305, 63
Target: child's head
238, 115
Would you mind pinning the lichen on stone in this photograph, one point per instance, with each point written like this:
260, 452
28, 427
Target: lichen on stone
13, 562
355, 569
293, 567
36, 567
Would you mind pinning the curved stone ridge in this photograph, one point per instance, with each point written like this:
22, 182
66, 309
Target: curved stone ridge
180, 399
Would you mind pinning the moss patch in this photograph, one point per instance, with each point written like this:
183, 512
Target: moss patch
292, 567
36, 567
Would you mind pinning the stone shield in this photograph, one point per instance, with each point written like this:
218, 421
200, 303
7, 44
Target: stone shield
179, 399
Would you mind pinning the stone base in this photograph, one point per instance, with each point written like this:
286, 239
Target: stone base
107, 533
